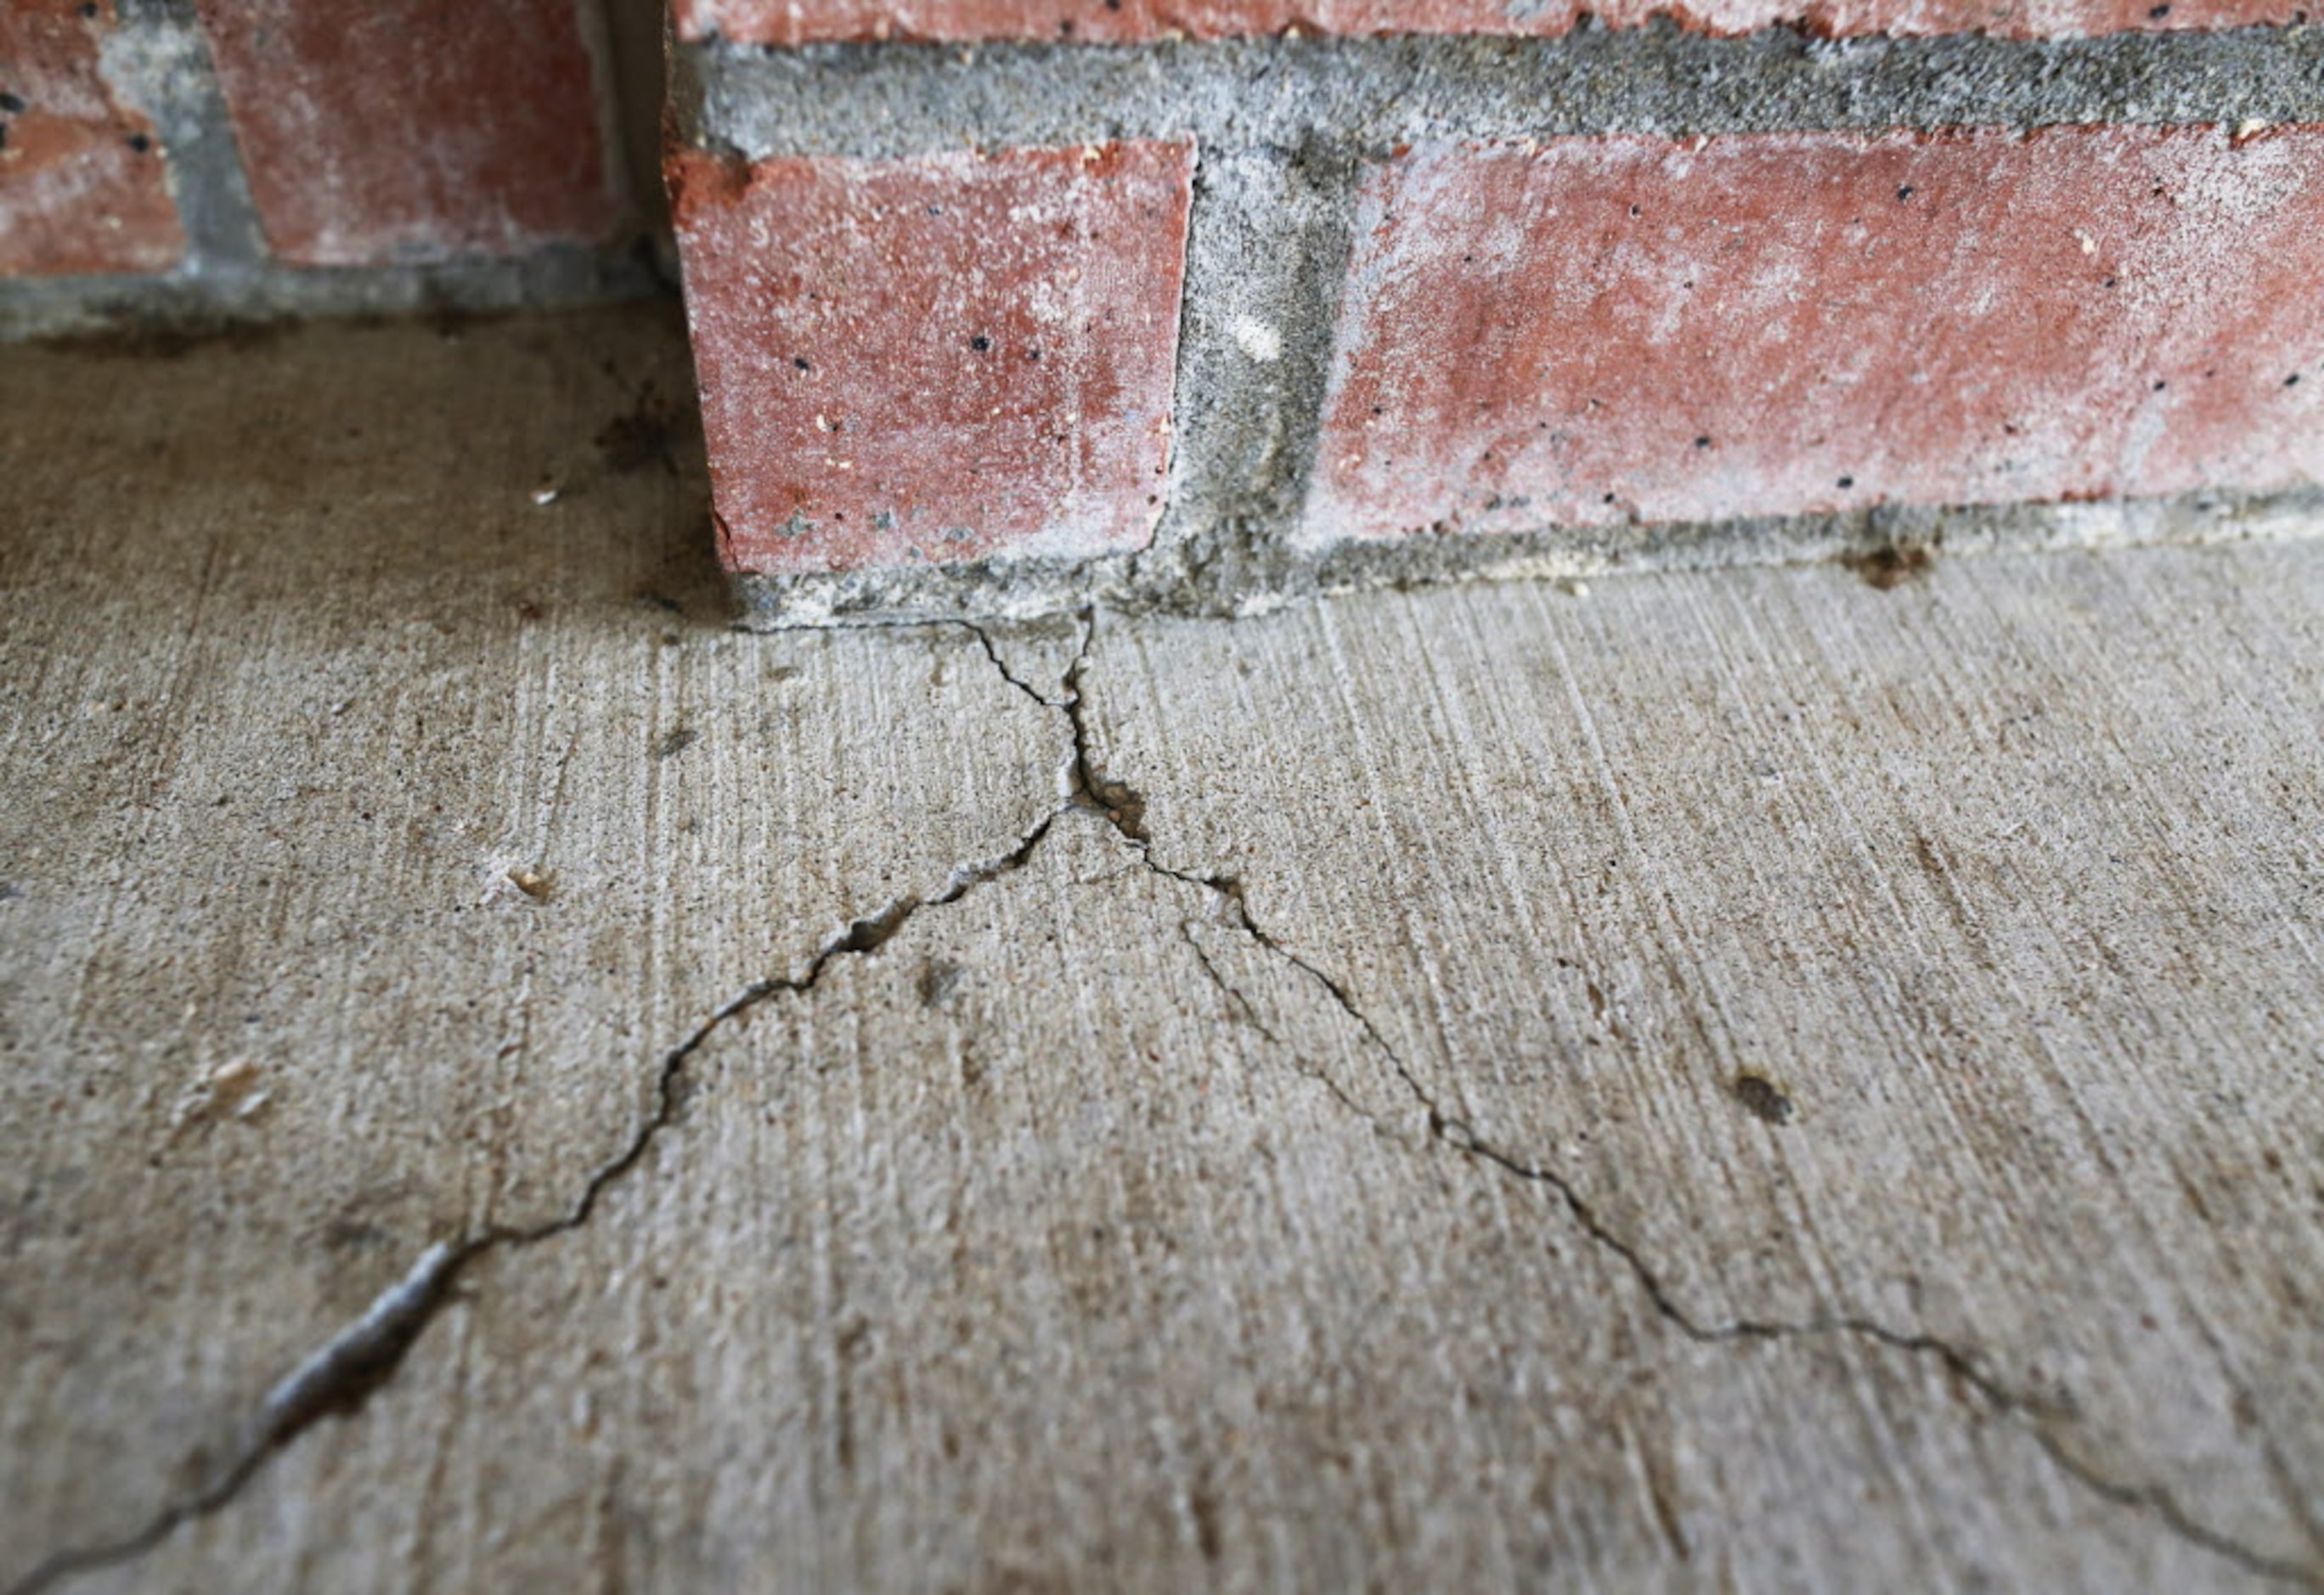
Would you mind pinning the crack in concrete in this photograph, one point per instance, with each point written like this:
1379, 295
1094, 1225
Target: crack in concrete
354, 1364
1126, 808
992, 651
348, 1370
337, 1376
1243, 1005
1998, 1397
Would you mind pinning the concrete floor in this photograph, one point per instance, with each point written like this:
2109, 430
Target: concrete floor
1756, 1079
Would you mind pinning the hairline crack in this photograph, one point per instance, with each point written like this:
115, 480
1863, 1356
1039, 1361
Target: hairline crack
362, 1358
1453, 1133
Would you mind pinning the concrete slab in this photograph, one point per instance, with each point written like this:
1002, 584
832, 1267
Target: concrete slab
1748, 1077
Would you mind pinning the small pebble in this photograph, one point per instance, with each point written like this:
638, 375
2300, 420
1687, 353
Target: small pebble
232, 1079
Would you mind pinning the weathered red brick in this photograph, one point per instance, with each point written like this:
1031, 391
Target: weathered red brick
1592, 330
378, 131
84, 184
936, 359
800, 22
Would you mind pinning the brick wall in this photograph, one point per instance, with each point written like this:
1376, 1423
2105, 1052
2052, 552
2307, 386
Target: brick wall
1001, 306
181, 158
83, 185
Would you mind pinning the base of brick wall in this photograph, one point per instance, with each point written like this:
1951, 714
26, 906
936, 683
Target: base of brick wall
1241, 576
1461, 306
230, 296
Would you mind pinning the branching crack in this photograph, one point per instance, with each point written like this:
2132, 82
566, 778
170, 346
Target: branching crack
1001, 663
1125, 807
1250, 1014
354, 1364
341, 1376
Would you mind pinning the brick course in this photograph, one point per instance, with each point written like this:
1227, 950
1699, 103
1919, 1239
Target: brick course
84, 183
382, 131
1600, 330
939, 359
1454, 294
1113, 22
1463, 304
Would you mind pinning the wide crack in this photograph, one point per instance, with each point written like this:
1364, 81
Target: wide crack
355, 1363
348, 1369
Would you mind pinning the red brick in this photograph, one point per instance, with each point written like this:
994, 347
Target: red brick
379, 131
84, 186
1595, 329
800, 22
936, 359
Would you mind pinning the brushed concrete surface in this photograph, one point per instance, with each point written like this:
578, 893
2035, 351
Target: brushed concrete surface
1760, 1078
